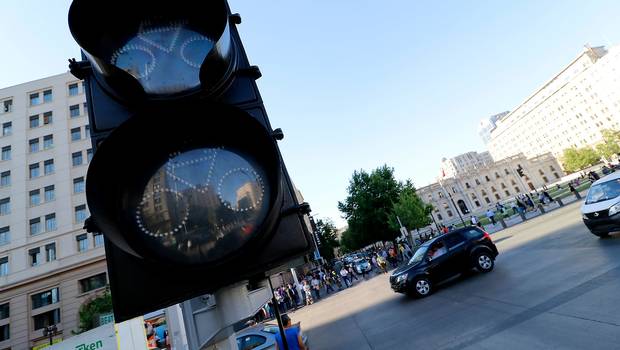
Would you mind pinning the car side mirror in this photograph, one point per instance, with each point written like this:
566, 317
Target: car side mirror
428, 259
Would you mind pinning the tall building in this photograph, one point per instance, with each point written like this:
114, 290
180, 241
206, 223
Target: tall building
49, 265
570, 110
464, 163
478, 189
489, 124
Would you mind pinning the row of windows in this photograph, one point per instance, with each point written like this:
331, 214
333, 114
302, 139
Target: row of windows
49, 194
34, 144
47, 253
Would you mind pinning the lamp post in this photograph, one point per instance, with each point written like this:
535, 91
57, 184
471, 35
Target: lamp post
453, 204
50, 331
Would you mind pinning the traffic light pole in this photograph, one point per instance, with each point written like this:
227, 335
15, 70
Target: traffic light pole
278, 316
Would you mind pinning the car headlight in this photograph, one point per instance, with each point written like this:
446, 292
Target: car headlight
615, 209
401, 278
585, 217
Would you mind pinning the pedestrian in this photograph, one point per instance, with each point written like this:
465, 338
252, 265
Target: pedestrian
328, 283
382, 263
474, 220
352, 274
292, 334
500, 208
345, 277
558, 188
308, 293
374, 261
491, 215
316, 287
572, 189
548, 196
541, 197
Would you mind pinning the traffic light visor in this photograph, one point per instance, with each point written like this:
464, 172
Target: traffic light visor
155, 48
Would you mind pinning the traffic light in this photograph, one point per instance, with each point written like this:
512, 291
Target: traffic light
520, 171
187, 183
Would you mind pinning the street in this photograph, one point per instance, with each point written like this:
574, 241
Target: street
555, 286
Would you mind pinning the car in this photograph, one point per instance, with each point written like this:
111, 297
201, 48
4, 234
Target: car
262, 337
362, 266
444, 257
601, 209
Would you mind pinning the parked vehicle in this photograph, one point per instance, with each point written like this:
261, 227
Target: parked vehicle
601, 208
443, 257
262, 337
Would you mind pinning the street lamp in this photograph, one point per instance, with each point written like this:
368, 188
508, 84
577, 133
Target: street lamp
50, 331
453, 204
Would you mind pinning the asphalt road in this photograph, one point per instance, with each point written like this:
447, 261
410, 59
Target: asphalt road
555, 286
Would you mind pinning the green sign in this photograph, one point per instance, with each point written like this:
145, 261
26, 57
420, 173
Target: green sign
106, 318
92, 346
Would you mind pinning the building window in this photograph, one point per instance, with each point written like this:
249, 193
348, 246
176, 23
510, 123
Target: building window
477, 182
467, 185
98, 238
5, 178
551, 168
80, 213
86, 131
493, 189
497, 196
4, 332
486, 199
5, 206
76, 158
7, 128
85, 106
5, 235
34, 170
34, 121
35, 226
74, 111
6, 153
556, 175
507, 193
506, 171
50, 193
545, 179
541, 172
34, 145
7, 106
89, 155
496, 175
46, 319
35, 197
94, 282
503, 186
487, 178
48, 166
50, 252
45, 298
73, 89
47, 96
50, 222
82, 242
35, 256
34, 99
78, 185
48, 141
4, 266
4, 311
517, 190
47, 118
477, 203
76, 135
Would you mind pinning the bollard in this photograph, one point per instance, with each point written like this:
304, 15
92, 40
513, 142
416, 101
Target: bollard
502, 222
560, 202
541, 208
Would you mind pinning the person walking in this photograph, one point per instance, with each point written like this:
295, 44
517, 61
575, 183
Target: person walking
316, 287
345, 277
327, 280
308, 293
382, 263
292, 334
474, 220
491, 215
549, 198
352, 274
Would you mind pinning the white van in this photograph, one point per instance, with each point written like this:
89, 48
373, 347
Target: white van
601, 209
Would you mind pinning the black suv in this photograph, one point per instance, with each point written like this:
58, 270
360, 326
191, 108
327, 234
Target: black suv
443, 257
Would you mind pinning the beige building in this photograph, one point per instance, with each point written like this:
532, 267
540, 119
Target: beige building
49, 265
570, 110
464, 163
477, 190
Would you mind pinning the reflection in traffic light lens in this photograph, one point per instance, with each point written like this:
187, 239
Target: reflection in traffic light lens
164, 57
203, 204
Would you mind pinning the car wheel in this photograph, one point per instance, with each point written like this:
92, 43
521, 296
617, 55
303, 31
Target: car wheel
421, 287
484, 262
600, 234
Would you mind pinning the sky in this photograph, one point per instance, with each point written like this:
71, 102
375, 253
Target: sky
356, 84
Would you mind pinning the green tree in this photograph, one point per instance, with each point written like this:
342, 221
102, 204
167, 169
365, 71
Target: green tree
348, 242
580, 158
610, 145
368, 206
327, 235
91, 309
411, 210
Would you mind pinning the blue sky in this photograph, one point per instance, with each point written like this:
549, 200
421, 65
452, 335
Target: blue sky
356, 84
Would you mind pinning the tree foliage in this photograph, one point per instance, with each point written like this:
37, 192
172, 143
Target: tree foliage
580, 158
411, 210
368, 206
91, 309
610, 145
326, 231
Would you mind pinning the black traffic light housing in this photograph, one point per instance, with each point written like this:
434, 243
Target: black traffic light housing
187, 182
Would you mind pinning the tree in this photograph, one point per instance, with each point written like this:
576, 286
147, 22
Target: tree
580, 158
91, 309
326, 231
368, 206
411, 210
610, 145
348, 242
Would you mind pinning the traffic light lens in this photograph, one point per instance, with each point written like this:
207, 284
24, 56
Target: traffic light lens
203, 204
165, 58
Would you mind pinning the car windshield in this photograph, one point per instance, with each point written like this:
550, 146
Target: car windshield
603, 191
419, 254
